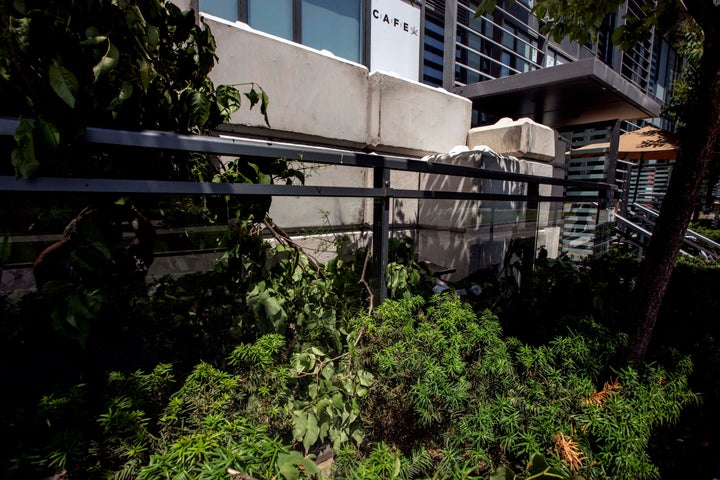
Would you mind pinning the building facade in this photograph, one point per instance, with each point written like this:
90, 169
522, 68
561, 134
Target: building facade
411, 78
427, 80
447, 44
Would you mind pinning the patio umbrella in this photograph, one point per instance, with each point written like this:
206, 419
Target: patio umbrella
647, 143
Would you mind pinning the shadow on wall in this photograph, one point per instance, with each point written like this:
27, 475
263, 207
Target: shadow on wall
469, 235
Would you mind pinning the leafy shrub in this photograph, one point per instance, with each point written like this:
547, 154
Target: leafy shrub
447, 380
418, 388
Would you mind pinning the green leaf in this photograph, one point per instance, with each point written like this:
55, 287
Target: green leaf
503, 473
328, 371
486, 6
23, 156
46, 139
538, 463
152, 37
261, 98
78, 308
253, 96
107, 62
126, 91
312, 433
288, 463
304, 362
358, 435
228, 100
199, 108
93, 38
5, 248
275, 312
617, 35
365, 378
313, 391
147, 73
64, 83
299, 424
20, 29
264, 103
19, 5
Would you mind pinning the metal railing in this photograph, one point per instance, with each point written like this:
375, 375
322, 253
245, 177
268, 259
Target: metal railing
638, 230
381, 165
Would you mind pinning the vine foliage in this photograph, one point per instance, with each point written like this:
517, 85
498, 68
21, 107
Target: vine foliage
125, 64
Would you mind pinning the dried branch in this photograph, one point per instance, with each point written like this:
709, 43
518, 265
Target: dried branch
362, 280
569, 451
285, 240
237, 475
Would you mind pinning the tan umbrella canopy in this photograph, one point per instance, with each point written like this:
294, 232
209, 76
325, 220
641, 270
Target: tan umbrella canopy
647, 143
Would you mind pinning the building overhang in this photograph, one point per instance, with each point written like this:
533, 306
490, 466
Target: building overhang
581, 92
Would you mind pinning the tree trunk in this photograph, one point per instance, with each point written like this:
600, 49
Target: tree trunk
698, 141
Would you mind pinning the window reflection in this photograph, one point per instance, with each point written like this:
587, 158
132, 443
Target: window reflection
272, 16
332, 25
227, 9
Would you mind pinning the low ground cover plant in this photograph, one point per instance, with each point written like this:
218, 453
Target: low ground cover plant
257, 368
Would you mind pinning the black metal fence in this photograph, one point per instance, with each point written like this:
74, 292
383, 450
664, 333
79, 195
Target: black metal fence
381, 165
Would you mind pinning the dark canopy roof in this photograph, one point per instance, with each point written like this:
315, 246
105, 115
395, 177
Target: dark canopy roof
585, 91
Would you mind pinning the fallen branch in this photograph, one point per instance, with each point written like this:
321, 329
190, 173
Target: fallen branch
362, 281
285, 240
241, 476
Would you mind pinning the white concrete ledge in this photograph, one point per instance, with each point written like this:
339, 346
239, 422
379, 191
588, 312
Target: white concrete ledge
325, 99
406, 115
521, 138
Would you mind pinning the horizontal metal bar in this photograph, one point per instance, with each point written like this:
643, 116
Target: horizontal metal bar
302, 153
92, 185
444, 195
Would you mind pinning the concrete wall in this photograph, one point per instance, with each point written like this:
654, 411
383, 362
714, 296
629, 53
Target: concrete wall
317, 97
316, 213
414, 119
311, 94
471, 235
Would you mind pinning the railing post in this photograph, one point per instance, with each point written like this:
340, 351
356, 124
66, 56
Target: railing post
381, 231
533, 194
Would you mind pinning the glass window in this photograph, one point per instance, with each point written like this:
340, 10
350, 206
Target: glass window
227, 9
332, 25
271, 16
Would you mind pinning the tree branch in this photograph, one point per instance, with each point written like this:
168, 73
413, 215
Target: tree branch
362, 281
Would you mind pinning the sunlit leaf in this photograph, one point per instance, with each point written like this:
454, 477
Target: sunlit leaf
199, 108
312, 433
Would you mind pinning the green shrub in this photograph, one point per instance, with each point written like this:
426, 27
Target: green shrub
419, 388
449, 381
